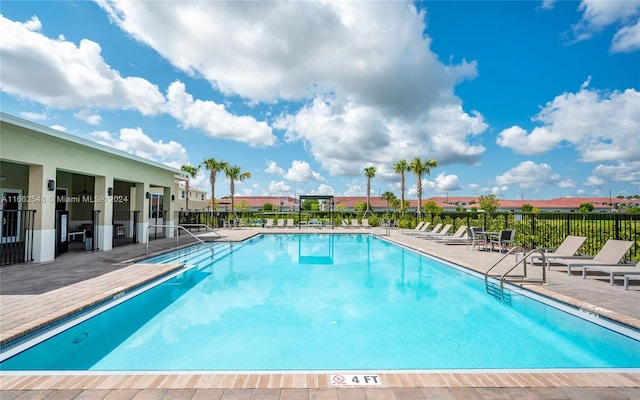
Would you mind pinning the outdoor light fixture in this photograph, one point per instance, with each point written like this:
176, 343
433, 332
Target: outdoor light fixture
51, 185
147, 195
110, 191
173, 197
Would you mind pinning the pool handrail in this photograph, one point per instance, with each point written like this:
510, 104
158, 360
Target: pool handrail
178, 236
523, 260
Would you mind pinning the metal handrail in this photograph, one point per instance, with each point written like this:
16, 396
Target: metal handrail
177, 236
503, 277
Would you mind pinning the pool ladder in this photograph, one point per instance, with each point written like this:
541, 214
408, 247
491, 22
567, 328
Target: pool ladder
494, 284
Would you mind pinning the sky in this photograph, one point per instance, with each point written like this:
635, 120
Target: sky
520, 99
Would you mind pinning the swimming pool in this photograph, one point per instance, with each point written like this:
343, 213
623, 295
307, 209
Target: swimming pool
325, 302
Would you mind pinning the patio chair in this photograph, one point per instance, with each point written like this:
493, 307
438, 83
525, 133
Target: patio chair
345, 223
269, 223
458, 237
429, 235
354, 223
503, 239
477, 237
290, 223
280, 223
611, 253
567, 249
613, 270
365, 223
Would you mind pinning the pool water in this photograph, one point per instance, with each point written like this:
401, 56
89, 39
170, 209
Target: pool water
326, 302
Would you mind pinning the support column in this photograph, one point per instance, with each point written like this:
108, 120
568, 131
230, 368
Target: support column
103, 203
44, 202
167, 205
142, 204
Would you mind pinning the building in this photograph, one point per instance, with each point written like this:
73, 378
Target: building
58, 189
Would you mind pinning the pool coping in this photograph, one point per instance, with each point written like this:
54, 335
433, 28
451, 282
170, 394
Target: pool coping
60, 380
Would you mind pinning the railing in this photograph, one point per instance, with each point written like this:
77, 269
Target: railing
125, 227
16, 236
178, 228
503, 277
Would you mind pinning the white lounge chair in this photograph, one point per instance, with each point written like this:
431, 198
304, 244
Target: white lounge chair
611, 253
354, 223
269, 223
365, 223
416, 229
613, 270
290, 223
458, 237
423, 229
280, 223
435, 230
345, 223
429, 235
567, 249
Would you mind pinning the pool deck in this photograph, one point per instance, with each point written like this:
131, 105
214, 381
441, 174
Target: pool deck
33, 295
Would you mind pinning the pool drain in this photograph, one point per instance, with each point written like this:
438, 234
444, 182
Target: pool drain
80, 337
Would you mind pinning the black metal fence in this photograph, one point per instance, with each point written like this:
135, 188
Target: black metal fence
16, 236
125, 227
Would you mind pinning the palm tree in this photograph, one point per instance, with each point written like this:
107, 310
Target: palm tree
191, 172
389, 197
234, 173
420, 167
214, 166
369, 172
401, 167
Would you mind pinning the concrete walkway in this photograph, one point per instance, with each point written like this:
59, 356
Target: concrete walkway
33, 294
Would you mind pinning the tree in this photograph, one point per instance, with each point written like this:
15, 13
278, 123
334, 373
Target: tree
420, 167
311, 205
526, 208
489, 203
369, 172
214, 166
267, 207
401, 167
430, 207
191, 173
586, 208
234, 173
389, 197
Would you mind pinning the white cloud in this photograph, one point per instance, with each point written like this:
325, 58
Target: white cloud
627, 172
65, 75
443, 183
323, 189
528, 174
214, 120
278, 188
598, 14
135, 141
273, 168
373, 89
34, 116
88, 116
301, 171
599, 125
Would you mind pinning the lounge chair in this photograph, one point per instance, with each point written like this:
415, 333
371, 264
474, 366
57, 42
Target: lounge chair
458, 236
416, 229
345, 223
613, 270
611, 253
429, 235
365, 223
567, 249
280, 223
354, 223
628, 278
269, 223
423, 229
290, 223
503, 239
435, 230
